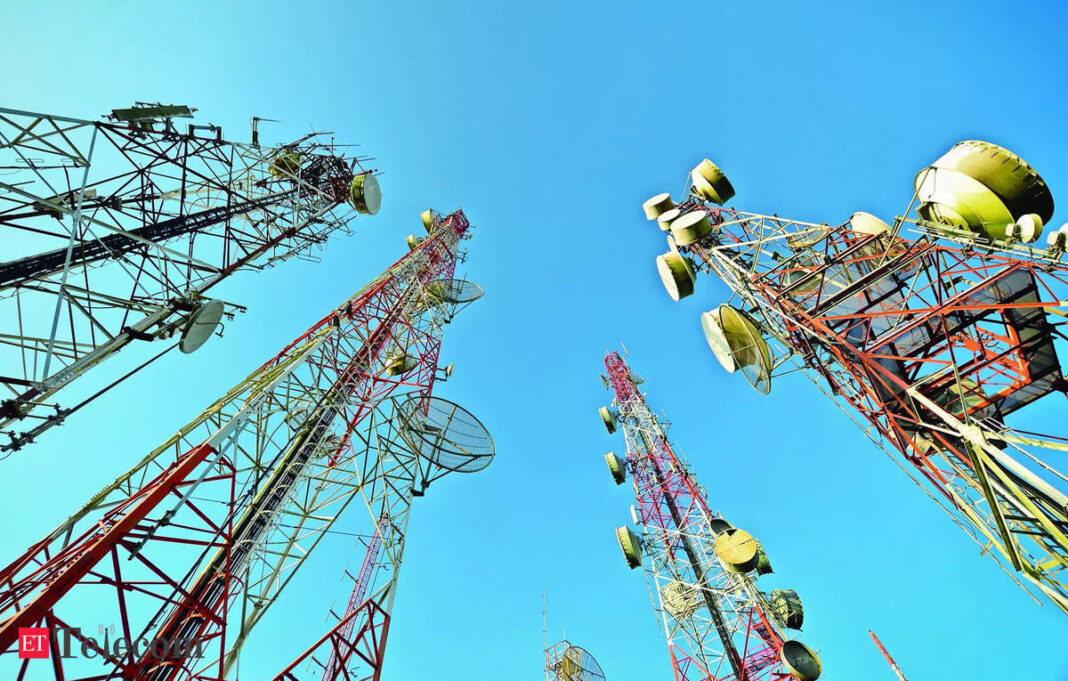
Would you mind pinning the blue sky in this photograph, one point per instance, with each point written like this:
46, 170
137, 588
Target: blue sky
550, 125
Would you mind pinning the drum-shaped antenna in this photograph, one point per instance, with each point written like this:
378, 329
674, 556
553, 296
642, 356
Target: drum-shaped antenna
763, 562
445, 434
800, 660
786, 606
430, 219
398, 363
680, 599
677, 274
981, 187
608, 418
1027, 228
200, 326
737, 550
617, 467
285, 164
718, 525
666, 218
577, 664
661, 203
413, 241
365, 194
710, 183
630, 545
453, 291
690, 227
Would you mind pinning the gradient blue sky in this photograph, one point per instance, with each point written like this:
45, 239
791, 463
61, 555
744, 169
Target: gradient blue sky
550, 124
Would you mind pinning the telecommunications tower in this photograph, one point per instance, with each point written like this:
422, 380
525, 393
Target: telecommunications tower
116, 231
931, 342
702, 571
189, 549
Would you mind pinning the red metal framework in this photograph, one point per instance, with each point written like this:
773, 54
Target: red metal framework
344, 631
719, 626
117, 231
930, 346
349, 647
188, 549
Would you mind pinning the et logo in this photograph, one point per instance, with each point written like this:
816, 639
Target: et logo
33, 642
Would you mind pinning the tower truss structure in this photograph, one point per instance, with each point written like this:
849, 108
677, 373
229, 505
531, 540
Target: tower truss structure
930, 341
188, 550
116, 232
701, 571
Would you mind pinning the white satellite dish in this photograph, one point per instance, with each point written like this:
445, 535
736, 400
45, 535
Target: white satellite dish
200, 326
866, 223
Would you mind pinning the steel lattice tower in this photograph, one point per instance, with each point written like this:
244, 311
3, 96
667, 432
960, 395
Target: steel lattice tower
929, 342
193, 544
116, 231
701, 571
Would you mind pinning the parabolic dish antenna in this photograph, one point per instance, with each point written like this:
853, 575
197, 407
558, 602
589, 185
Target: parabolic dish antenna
578, 665
456, 291
802, 662
445, 434
737, 343
808, 237
201, 324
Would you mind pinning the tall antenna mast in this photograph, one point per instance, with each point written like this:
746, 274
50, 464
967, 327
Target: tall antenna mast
930, 343
201, 537
702, 571
890, 660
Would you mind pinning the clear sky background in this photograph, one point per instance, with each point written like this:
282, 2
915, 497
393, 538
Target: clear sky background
550, 123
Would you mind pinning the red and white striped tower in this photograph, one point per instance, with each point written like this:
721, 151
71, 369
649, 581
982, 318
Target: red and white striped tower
702, 571
188, 550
